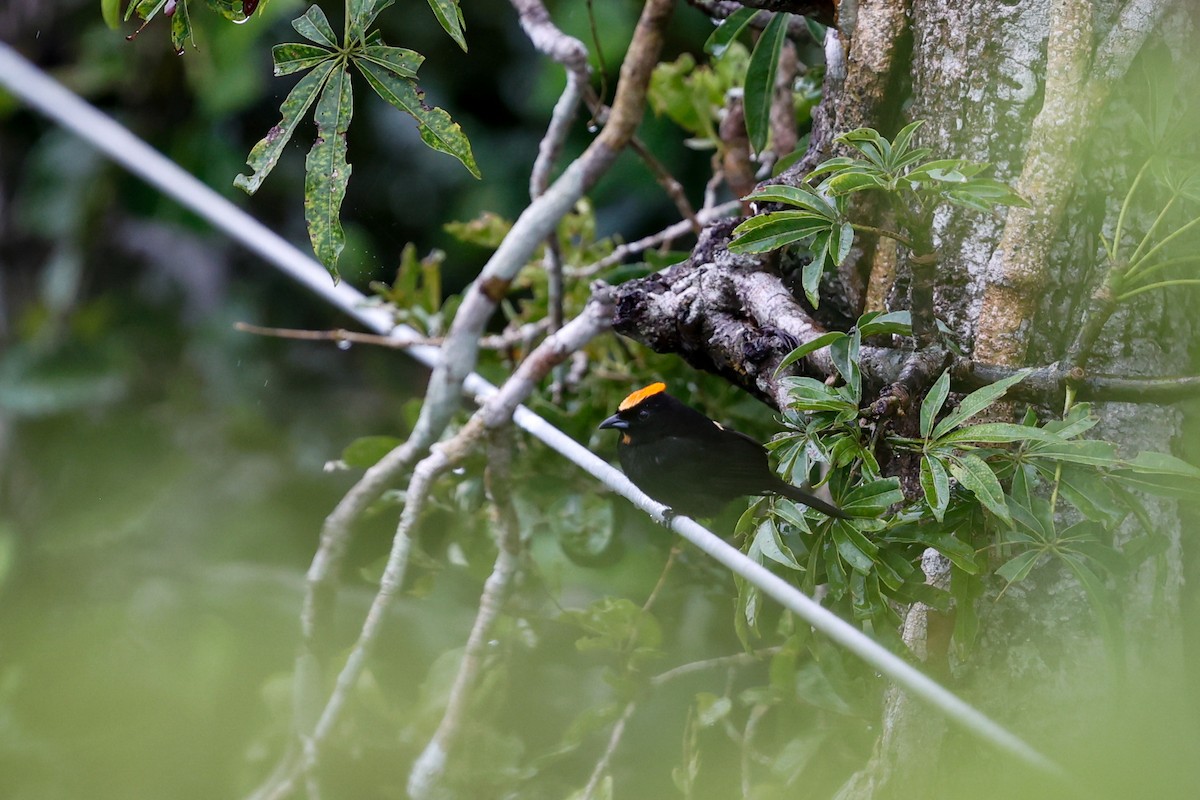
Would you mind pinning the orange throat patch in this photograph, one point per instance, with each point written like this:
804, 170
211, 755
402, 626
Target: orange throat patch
641, 394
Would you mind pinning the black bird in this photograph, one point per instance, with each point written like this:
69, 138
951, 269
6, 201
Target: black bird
691, 463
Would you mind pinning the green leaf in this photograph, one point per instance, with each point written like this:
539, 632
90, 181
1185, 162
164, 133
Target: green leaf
772, 546
749, 602
966, 589
935, 483
110, 11
1090, 452
1078, 421
798, 196
961, 554
872, 499
933, 402
436, 128
845, 356
361, 14
295, 57
766, 232
728, 31
810, 346
810, 278
840, 241
400, 60
840, 164
1088, 491
1148, 462
265, 154
1034, 522
1017, 568
985, 194
326, 171
315, 27
815, 29
1097, 595
711, 709
977, 477
868, 142
760, 80
977, 401
848, 546
875, 323
999, 433
181, 27
849, 182
146, 9
450, 16
903, 138
366, 451
808, 394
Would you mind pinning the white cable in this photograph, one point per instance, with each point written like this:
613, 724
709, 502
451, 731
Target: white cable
45, 95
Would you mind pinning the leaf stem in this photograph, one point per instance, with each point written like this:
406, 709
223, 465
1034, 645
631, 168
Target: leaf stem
1116, 240
1159, 285
1133, 266
883, 232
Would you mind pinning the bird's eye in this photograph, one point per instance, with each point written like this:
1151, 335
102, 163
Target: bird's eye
645, 412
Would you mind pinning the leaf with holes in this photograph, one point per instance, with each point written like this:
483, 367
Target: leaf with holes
265, 155
435, 126
294, 57
326, 170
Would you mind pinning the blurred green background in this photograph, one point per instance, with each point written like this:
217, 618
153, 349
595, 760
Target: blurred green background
163, 477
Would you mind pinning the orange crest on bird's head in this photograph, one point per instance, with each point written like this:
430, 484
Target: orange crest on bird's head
642, 394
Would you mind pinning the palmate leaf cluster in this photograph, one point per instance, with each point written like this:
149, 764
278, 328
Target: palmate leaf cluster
995, 498
897, 169
390, 71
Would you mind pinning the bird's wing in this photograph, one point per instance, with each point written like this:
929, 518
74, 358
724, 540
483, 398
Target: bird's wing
729, 459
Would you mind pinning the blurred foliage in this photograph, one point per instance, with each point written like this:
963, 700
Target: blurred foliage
163, 479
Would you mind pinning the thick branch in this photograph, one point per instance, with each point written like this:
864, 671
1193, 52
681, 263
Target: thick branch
823, 11
430, 767
723, 314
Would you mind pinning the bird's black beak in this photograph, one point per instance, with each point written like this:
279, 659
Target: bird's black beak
616, 422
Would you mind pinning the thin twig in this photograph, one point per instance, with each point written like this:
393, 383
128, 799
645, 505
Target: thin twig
614, 740
337, 335
518, 336
662, 577
719, 662
429, 768
670, 233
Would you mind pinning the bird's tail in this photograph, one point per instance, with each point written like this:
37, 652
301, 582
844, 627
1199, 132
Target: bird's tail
809, 499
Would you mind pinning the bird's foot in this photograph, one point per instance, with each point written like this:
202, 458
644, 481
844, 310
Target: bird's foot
668, 516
